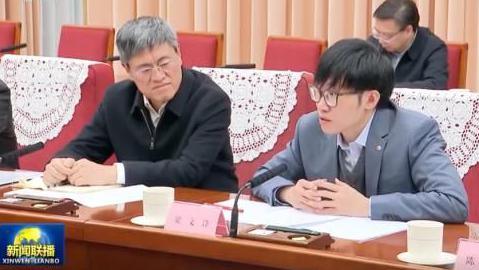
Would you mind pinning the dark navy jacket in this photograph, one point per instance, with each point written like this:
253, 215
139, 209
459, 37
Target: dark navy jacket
190, 146
8, 140
424, 65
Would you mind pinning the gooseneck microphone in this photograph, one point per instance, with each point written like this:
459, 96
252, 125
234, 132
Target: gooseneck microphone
254, 182
20, 152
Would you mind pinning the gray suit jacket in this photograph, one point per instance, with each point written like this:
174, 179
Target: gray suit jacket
408, 174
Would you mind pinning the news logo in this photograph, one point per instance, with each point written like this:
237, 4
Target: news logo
32, 244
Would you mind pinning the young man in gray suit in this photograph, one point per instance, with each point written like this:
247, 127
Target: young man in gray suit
388, 163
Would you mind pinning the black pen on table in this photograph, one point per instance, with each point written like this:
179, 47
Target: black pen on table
291, 230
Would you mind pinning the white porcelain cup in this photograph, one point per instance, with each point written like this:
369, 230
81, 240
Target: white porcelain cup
157, 202
424, 239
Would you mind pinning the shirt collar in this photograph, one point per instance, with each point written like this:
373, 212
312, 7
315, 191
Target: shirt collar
360, 140
178, 103
151, 108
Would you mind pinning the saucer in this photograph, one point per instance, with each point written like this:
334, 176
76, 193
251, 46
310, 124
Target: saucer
444, 259
141, 220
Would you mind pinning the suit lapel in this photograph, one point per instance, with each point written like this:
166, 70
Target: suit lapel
375, 145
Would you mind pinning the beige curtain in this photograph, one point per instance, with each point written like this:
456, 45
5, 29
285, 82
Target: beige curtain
28, 13
247, 23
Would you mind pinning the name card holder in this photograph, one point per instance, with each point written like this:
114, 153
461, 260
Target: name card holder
64, 207
196, 218
467, 255
473, 231
258, 233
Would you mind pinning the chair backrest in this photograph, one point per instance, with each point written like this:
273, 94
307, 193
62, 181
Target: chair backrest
471, 184
457, 63
100, 76
86, 42
246, 169
296, 54
201, 49
10, 34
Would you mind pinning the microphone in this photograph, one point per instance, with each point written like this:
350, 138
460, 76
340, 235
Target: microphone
260, 179
20, 152
13, 47
254, 182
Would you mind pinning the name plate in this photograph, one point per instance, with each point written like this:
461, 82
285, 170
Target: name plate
473, 231
467, 255
196, 218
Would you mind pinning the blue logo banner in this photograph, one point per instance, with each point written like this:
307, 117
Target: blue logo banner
32, 244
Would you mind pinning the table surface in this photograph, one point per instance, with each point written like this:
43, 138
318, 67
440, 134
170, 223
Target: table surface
105, 237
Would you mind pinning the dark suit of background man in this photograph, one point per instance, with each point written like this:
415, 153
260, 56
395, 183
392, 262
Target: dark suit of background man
390, 161
8, 141
418, 56
167, 126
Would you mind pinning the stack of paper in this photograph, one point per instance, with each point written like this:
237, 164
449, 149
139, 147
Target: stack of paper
90, 199
7, 177
351, 228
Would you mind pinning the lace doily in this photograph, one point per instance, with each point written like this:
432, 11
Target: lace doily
260, 103
44, 93
457, 113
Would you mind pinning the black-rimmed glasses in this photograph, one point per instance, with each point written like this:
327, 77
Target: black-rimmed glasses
330, 96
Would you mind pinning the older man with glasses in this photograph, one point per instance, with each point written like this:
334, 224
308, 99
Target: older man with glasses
360, 155
418, 56
167, 126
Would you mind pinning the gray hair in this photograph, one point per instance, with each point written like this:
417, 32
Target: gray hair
143, 33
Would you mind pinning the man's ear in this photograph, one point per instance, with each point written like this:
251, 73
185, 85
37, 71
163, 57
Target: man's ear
409, 29
371, 99
126, 67
178, 51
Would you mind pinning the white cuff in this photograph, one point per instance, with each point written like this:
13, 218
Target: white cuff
120, 173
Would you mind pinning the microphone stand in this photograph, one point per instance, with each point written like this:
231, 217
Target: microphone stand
235, 212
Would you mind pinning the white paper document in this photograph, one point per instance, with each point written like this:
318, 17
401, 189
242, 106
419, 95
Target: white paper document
7, 177
350, 228
90, 199
37, 183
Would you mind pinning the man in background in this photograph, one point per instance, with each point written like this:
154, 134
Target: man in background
419, 57
167, 126
8, 140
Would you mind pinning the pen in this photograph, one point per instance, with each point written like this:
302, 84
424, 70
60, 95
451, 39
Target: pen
36, 197
291, 230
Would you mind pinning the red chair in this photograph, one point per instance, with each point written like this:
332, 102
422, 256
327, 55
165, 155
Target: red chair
10, 34
246, 169
100, 76
201, 49
471, 183
457, 64
86, 42
296, 54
